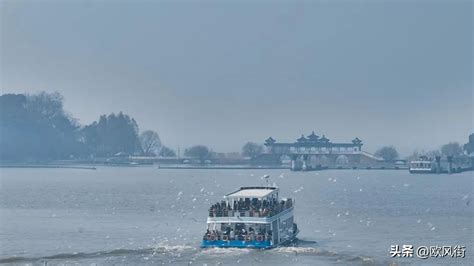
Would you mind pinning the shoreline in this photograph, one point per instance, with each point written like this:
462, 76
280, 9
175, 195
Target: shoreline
50, 166
223, 167
278, 167
189, 167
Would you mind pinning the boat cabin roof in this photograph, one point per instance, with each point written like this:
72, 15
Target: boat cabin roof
252, 192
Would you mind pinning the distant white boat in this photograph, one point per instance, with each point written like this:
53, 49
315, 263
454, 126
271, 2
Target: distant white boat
422, 165
251, 217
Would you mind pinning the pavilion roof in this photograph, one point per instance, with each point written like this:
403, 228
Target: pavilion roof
313, 140
324, 139
313, 137
302, 139
270, 140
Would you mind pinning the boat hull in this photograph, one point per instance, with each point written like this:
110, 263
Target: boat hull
236, 244
244, 244
421, 171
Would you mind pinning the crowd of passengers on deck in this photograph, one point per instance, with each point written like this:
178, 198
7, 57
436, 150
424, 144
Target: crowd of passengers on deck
247, 207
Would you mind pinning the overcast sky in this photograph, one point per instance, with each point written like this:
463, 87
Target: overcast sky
388, 72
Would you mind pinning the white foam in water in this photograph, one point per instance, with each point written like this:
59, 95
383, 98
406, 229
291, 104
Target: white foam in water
296, 250
298, 190
171, 248
225, 251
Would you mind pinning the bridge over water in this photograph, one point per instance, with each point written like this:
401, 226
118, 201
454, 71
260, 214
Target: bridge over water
313, 152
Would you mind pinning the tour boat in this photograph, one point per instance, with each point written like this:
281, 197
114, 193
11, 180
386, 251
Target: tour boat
421, 165
251, 217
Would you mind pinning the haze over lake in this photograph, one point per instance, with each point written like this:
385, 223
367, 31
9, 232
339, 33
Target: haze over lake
123, 123
220, 74
143, 215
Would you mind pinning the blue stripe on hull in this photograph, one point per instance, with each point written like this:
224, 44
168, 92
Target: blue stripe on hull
421, 171
235, 244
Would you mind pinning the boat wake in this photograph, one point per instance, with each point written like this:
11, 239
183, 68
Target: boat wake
300, 242
172, 253
218, 252
161, 249
312, 248
332, 255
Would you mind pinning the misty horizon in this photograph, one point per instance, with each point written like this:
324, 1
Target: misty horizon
201, 74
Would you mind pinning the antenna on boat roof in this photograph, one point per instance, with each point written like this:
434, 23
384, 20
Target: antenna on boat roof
267, 177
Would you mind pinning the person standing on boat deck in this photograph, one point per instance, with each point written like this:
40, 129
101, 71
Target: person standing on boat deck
251, 233
232, 234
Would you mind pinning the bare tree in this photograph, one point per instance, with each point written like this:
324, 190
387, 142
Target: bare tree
428, 153
150, 142
167, 152
451, 149
388, 153
252, 150
199, 151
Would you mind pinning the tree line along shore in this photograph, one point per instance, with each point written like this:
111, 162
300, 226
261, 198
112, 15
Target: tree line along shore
36, 130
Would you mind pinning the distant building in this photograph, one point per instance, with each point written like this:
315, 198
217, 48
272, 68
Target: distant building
469, 150
313, 144
313, 152
469, 147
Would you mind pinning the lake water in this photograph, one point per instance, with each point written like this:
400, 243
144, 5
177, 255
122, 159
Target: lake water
144, 215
